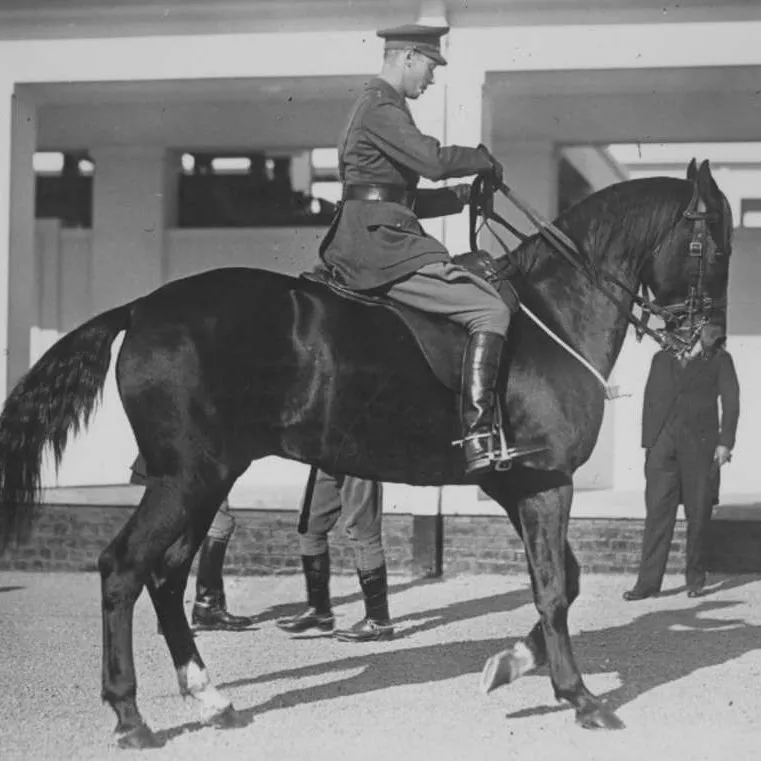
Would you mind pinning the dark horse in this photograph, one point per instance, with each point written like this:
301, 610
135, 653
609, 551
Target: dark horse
231, 365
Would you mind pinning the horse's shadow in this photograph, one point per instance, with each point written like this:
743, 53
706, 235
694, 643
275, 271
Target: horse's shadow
655, 649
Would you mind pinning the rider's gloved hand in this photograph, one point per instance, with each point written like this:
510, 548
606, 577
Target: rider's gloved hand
462, 191
497, 170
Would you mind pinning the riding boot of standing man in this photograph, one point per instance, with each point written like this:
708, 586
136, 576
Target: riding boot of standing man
376, 240
210, 606
328, 497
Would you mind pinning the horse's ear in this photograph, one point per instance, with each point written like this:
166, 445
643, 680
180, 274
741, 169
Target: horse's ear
692, 169
707, 187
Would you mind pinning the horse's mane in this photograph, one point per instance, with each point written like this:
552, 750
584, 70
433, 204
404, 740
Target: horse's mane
608, 226
638, 211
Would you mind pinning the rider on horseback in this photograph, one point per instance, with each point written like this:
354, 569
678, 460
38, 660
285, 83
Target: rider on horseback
376, 241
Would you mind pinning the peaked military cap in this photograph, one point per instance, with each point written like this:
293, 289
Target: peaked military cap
423, 39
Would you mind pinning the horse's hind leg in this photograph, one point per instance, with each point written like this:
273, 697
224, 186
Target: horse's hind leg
166, 587
124, 566
164, 517
543, 524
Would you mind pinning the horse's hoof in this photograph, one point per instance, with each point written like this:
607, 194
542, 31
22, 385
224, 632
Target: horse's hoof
228, 718
498, 670
599, 717
507, 666
138, 738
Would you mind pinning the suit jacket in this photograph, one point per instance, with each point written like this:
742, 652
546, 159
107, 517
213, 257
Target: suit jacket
688, 397
373, 243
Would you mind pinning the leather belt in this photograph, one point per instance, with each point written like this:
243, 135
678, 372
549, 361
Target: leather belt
377, 192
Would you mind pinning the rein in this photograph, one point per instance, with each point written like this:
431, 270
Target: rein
695, 308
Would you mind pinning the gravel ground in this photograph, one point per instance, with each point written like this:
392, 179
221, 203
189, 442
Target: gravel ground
683, 674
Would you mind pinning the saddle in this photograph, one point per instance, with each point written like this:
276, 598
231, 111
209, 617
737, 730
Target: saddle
441, 341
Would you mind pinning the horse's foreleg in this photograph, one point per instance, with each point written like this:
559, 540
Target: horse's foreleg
531, 652
166, 587
544, 519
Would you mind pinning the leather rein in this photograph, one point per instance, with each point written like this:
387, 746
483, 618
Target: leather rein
694, 311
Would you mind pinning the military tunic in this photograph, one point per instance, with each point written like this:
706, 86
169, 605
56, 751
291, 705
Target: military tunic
374, 243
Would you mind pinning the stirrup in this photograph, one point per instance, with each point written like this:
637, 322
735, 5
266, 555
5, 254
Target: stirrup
503, 457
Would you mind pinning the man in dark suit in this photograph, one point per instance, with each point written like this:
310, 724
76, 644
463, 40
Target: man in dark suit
685, 446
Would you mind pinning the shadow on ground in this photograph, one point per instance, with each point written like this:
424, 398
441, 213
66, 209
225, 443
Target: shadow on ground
657, 648
292, 608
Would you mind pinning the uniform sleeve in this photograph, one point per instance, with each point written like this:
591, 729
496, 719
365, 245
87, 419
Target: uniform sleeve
392, 130
729, 393
438, 202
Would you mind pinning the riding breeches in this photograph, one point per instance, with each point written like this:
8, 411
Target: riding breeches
451, 291
360, 502
223, 525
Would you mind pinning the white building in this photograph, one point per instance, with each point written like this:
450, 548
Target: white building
136, 84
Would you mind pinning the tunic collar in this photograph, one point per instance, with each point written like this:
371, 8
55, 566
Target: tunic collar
376, 83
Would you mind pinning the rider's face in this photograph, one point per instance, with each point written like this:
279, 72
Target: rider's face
418, 71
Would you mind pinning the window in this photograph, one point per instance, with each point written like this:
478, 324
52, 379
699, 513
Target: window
63, 188
252, 189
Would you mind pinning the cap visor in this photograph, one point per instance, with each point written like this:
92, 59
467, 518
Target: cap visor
437, 57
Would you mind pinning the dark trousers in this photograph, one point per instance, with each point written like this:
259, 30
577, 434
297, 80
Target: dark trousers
679, 468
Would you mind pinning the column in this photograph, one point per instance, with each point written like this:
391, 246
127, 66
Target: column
464, 123
134, 202
531, 170
23, 301
429, 114
6, 93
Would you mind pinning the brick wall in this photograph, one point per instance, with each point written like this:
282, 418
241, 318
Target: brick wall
70, 538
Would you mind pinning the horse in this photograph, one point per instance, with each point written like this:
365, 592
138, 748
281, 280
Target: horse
221, 368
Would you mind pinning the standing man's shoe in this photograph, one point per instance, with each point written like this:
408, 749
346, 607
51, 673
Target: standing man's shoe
210, 608
376, 625
319, 614
695, 590
366, 630
639, 594
304, 622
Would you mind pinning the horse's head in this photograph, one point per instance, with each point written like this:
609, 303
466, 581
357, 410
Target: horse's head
688, 273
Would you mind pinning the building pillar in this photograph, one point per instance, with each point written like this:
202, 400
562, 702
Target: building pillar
134, 203
531, 170
22, 309
6, 94
466, 123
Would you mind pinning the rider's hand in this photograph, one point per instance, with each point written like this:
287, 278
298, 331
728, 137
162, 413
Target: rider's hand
462, 191
497, 170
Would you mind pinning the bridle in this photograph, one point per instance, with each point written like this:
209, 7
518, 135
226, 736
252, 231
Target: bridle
683, 321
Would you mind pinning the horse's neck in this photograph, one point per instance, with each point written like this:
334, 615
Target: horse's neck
575, 309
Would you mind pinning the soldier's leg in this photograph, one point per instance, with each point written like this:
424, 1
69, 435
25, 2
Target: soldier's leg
662, 495
210, 607
323, 508
698, 487
453, 292
363, 506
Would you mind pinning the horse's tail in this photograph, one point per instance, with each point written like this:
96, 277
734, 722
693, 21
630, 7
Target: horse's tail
55, 397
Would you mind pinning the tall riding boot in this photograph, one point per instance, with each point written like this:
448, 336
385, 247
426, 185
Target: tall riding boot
210, 608
480, 369
318, 614
376, 625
